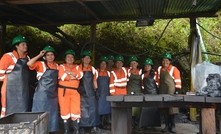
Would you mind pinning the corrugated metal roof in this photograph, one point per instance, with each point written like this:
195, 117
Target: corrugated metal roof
59, 12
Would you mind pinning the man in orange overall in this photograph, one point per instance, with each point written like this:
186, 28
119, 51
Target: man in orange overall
118, 77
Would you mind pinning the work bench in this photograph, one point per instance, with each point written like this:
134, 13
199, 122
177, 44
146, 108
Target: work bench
121, 109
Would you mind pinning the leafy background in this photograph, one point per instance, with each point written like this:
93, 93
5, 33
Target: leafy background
126, 39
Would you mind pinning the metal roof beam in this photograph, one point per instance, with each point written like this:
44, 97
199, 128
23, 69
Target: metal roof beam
89, 10
26, 11
110, 20
21, 2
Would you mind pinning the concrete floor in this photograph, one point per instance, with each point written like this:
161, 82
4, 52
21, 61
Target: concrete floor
181, 128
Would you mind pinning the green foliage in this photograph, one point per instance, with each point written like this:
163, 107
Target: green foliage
127, 39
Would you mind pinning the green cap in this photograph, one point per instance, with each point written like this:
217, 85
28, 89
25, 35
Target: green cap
148, 61
86, 53
132, 58
18, 39
119, 58
69, 52
49, 48
110, 57
167, 55
103, 58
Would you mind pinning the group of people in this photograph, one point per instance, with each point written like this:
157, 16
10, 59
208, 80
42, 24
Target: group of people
165, 80
78, 91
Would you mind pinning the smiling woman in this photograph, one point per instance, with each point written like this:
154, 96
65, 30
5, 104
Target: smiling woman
45, 96
68, 95
169, 82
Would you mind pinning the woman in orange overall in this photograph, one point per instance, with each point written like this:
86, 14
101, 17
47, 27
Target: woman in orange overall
14, 73
45, 96
68, 96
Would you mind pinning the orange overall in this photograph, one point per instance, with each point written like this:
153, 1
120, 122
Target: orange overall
68, 96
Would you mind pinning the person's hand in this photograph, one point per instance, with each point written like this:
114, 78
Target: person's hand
42, 52
152, 73
97, 94
81, 90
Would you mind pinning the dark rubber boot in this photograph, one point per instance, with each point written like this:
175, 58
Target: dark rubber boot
66, 126
76, 127
95, 129
172, 122
103, 121
166, 124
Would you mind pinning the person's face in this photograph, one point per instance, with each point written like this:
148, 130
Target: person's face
103, 65
110, 63
69, 59
49, 56
86, 59
133, 64
22, 47
119, 64
165, 62
147, 67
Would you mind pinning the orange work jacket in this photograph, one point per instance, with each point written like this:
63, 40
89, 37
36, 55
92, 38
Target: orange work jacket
174, 73
118, 81
65, 79
41, 67
7, 63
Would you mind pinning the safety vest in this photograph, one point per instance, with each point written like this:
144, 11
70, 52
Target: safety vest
10, 67
77, 76
118, 82
39, 73
129, 73
174, 73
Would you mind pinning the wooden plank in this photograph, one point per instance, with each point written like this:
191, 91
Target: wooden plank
193, 98
121, 120
116, 98
153, 98
172, 98
133, 98
208, 121
213, 99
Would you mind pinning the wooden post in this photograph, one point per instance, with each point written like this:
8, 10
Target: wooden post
2, 39
93, 39
208, 121
219, 121
121, 119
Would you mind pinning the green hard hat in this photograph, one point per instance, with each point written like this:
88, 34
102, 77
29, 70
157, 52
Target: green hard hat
49, 48
103, 58
110, 57
148, 61
69, 52
86, 53
132, 58
119, 58
18, 39
167, 55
